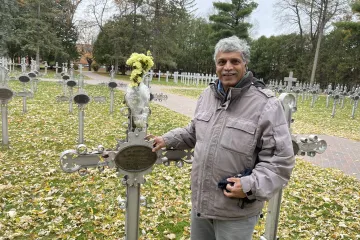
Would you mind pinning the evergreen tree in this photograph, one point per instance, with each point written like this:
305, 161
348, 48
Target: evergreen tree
352, 27
231, 19
8, 9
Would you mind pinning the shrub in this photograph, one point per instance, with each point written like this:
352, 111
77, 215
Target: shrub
95, 67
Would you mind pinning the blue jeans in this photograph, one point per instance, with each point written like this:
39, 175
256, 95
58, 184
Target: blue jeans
212, 229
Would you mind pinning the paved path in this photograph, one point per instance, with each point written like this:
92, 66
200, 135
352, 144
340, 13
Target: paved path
341, 153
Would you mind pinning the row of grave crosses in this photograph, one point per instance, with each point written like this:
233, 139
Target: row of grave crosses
6, 94
69, 83
339, 95
82, 98
305, 90
133, 158
185, 77
34, 68
10, 65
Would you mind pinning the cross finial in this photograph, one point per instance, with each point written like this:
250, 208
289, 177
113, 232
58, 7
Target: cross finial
290, 81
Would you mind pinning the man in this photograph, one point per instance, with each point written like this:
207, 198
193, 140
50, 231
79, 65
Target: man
238, 129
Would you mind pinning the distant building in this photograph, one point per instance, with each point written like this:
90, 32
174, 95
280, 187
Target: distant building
84, 50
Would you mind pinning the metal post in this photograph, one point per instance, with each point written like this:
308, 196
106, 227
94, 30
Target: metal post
24, 100
272, 217
273, 211
132, 212
64, 86
354, 108
32, 85
111, 100
4, 120
81, 124
71, 100
313, 100
303, 96
327, 101
334, 108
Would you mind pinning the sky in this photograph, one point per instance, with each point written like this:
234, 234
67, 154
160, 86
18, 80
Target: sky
262, 18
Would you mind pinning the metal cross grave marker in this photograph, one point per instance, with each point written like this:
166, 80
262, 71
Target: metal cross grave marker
289, 81
5, 96
25, 93
310, 145
133, 157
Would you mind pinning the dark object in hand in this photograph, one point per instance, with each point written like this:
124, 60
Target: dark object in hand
222, 185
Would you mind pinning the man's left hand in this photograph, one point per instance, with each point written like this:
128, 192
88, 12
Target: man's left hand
235, 190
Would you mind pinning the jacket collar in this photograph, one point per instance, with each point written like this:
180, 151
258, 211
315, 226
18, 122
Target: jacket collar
232, 92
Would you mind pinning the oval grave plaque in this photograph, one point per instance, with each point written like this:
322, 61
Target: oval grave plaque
24, 79
81, 98
66, 77
5, 94
32, 74
112, 84
71, 83
135, 158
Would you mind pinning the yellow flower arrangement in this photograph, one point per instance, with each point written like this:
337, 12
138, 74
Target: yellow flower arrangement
141, 64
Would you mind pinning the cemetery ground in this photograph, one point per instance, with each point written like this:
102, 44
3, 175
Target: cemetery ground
39, 201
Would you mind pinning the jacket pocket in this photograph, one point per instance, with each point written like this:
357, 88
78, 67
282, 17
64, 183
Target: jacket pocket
239, 136
202, 125
231, 207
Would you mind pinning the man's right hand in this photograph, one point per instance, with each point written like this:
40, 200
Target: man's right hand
158, 143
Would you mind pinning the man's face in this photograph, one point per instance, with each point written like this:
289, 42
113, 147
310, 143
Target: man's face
230, 68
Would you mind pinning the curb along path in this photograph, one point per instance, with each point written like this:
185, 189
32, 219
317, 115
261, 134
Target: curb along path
341, 153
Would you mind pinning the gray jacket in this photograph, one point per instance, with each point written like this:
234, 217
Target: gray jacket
246, 129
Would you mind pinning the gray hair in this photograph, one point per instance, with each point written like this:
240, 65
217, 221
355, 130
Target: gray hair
233, 44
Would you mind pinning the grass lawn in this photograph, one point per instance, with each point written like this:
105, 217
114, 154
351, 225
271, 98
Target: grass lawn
192, 93
39, 201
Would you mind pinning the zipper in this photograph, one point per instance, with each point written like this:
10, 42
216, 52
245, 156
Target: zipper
222, 125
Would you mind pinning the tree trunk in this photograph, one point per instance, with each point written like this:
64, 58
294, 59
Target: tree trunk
89, 60
320, 35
